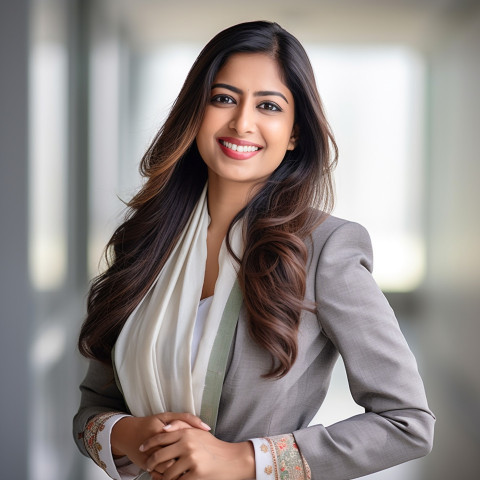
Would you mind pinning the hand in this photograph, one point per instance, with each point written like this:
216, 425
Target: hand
195, 455
130, 432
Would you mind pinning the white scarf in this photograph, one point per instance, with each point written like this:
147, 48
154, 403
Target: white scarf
152, 352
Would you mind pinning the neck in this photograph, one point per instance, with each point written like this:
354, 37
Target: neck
225, 200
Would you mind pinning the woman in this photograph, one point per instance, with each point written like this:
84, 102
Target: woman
229, 296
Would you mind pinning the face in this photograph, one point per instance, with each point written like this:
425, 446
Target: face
249, 121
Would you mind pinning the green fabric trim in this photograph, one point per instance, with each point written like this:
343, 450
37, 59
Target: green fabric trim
217, 364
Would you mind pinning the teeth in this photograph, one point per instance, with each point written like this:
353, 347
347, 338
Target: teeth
239, 148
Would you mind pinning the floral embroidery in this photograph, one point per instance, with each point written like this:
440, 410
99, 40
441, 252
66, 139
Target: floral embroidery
281, 444
94, 425
264, 448
268, 469
289, 463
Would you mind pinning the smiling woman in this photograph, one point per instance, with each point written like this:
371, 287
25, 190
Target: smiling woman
229, 276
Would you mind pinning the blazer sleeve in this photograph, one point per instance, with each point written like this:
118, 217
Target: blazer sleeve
382, 372
99, 394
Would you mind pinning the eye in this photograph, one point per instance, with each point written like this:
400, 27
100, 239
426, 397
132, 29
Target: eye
223, 99
270, 106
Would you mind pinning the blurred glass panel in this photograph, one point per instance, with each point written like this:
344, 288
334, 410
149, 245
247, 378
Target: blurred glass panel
48, 164
104, 147
53, 254
158, 79
374, 98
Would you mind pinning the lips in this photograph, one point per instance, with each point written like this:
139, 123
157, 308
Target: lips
238, 149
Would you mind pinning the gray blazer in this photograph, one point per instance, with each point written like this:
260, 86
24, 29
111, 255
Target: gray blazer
353, 319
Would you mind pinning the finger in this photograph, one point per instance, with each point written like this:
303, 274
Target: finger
160, 456
156, 476
159, 440
181, 466
186, 476
176, 425
161, 467
192, 420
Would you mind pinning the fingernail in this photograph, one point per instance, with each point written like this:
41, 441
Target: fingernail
204, 425
141, 448
167, 426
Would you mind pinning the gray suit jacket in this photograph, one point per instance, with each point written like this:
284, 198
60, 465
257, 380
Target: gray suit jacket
354, 319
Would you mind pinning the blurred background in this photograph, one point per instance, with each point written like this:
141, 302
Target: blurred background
84, 85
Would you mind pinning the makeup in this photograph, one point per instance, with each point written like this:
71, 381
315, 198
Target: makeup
238, 149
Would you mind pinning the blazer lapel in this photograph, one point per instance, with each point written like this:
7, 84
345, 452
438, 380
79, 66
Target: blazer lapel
218, 362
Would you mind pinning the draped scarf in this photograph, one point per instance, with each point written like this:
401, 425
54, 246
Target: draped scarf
152, 354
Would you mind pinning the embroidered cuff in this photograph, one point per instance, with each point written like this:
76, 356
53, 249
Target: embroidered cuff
97, 442
287, 461
263, 459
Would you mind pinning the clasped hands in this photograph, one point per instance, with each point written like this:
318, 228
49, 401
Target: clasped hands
170, 445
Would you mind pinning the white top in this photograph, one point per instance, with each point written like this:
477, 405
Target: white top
202, 313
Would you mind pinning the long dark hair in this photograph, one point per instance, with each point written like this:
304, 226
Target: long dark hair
278, 219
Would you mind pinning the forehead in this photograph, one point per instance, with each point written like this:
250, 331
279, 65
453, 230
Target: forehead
254, 70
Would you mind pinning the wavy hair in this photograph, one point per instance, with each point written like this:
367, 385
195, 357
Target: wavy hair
277, 220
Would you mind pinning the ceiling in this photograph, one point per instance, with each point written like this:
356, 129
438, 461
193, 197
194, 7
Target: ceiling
414, 22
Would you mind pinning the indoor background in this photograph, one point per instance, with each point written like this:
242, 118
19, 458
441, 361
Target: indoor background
84, 85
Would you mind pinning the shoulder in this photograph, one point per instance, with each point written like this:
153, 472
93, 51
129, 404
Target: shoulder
337, 244
338, 233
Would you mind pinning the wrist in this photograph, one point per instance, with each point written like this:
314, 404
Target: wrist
246, 460
119, 432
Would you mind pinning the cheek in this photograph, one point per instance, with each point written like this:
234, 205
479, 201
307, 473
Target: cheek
207, 121
209, 128
202, 134
280, 133
204, 137
214, 118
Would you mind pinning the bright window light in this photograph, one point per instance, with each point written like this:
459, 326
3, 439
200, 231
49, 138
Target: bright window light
48, 165
374, 98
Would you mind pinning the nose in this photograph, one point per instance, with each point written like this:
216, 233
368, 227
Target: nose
243, 119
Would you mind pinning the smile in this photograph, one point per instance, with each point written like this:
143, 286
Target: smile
238, 149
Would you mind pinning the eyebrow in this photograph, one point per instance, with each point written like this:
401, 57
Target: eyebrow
262, 93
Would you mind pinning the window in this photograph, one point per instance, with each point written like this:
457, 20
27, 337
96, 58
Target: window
374, 98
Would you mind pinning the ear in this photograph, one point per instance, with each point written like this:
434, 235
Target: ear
292, 143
